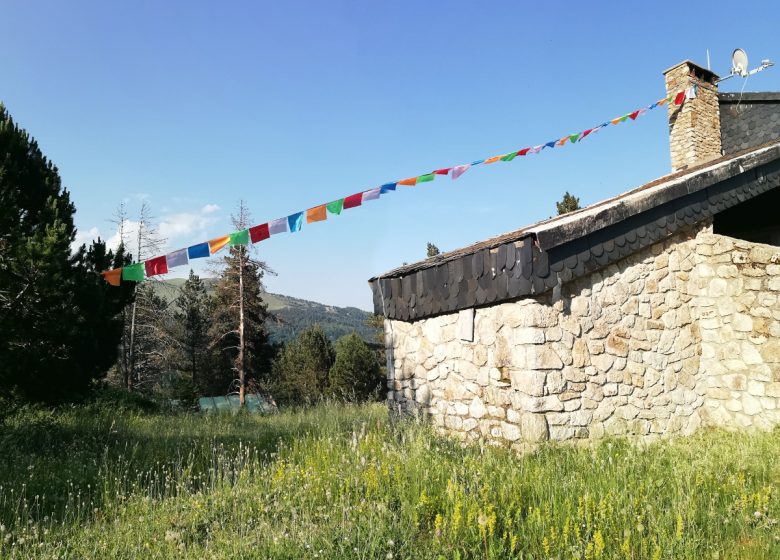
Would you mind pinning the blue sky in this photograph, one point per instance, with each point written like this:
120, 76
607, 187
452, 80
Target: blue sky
194, 105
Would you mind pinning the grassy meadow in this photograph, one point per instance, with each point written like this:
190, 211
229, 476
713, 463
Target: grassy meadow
339, 481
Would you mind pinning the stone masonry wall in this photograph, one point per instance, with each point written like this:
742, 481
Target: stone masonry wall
653, 346
736, 289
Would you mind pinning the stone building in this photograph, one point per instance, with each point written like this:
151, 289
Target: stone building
648, 314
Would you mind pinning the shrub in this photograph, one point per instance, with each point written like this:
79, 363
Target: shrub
355, 374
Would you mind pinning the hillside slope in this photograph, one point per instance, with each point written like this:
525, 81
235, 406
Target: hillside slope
291, 315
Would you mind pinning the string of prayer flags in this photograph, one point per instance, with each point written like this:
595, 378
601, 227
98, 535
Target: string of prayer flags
199, 251
294, 222
259, 233
113, 277
316, 214
155, 266
177, 258
218, 243
239, 237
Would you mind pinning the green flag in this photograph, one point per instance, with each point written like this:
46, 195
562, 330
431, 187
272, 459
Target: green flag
336, 206
575, 137
425, 178
133, 272
239, 237
509, 157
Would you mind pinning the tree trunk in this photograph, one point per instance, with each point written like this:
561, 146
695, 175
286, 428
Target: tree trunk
241, 376
131, 356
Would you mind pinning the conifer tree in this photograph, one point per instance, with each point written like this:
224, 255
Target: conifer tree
569, 203
301, 370
432, 250
192, 319
355, 374
59, 323
237, 332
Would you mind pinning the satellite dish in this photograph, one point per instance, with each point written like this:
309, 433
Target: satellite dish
739, 62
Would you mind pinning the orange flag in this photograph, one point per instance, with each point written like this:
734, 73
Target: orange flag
410, 181
113, 277
217, 244
316, 214
492, 159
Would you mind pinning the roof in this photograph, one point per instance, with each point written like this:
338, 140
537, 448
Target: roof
535, 258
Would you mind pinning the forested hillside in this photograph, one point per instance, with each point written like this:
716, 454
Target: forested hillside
290, 315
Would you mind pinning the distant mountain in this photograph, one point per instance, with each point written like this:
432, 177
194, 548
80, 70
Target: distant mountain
291, 315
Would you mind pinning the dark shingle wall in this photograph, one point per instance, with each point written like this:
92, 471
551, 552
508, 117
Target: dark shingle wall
749, 120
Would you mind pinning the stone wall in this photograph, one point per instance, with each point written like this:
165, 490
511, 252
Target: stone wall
736, 285
694, 126
638, 348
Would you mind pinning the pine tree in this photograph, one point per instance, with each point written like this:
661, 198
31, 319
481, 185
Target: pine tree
355, 374
302, 367
237, 331
192, 319
569, 203
58, 317
433, 250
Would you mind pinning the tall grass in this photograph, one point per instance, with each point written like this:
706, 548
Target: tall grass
339, 481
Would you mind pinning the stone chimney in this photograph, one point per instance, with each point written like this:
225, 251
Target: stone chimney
694, 126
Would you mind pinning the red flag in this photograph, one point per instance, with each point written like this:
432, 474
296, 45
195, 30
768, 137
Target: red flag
586, 132
680, 98
155, 266
442, 171
523, 151
258, 233
353, 200
634, 115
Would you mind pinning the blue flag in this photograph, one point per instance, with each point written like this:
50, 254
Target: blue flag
295, 221
198, 251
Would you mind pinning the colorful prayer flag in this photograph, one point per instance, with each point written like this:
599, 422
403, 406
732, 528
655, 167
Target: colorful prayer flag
585, 133
353, 200
549, 145
492, 159
387, 187
680, 98
295, 221
634, 115
372, 194
277, 226
536, 149
477, 162
177, 258
239, 237
113, 277
444, 171
575, 137
509, 157
411, 181
524, 151
562, 141
133, 272
425, 178
316, 214
459, 170
336, 206
198, 251
218, 243
259, 233
155, 266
